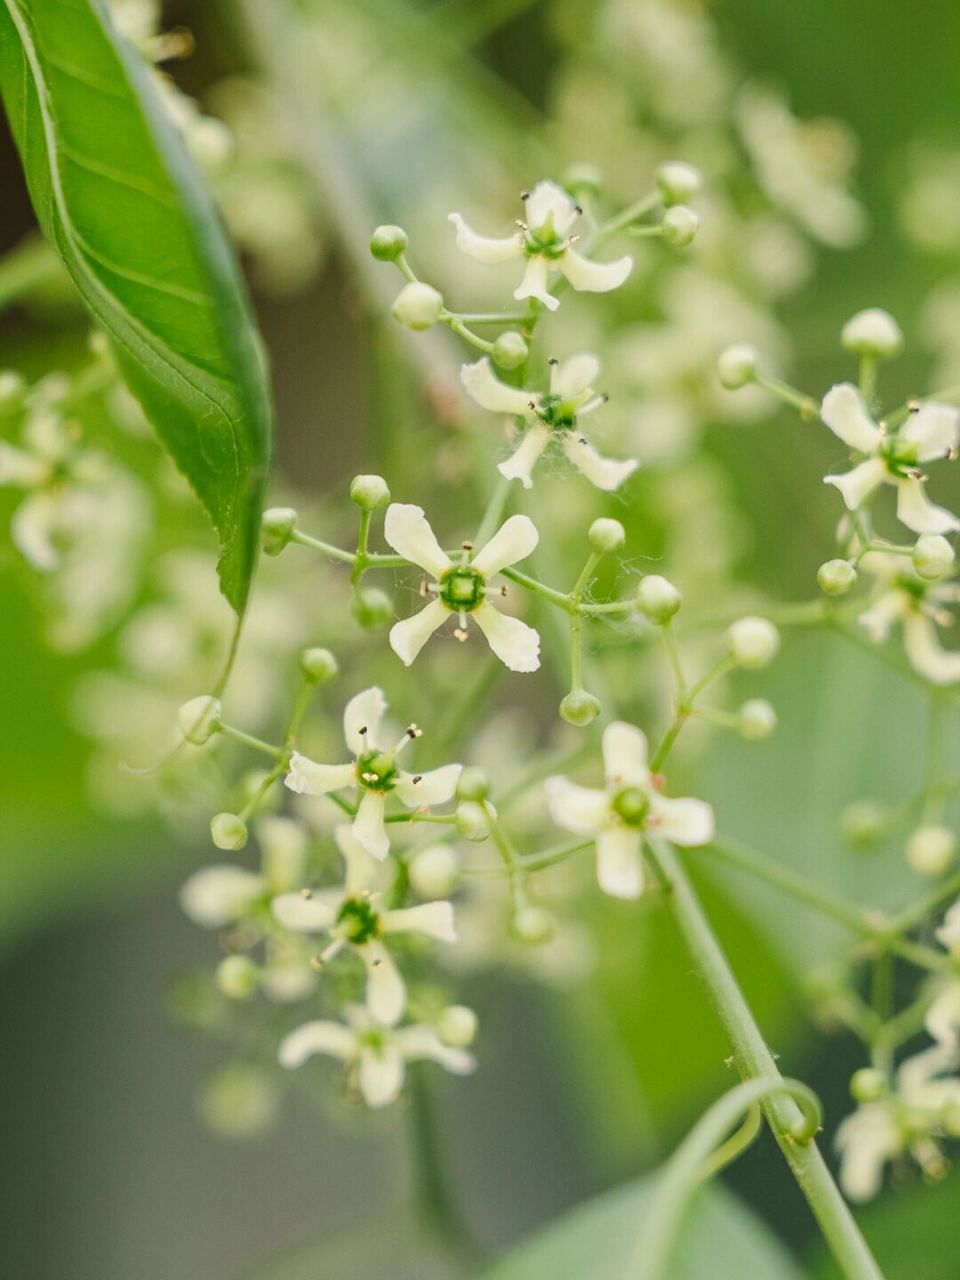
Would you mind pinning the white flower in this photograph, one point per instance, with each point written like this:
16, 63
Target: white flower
220, 895
556, 414
628, 807
903, 596
373, 772
930, 433
377, 1055
461, 588
544, 239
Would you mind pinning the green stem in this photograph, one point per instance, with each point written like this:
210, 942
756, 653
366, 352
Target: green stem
805, 405
494, 512
248, 740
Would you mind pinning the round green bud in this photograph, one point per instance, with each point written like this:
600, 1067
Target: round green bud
607, 535
372, 608
417, 305
933, 557
237, 977
532, 924
657, 599
387, 243
836, 577
679, 226
678, 181
200, 719
753, 642
319, 665
277, 526
471, 820
457, 1026
510, 350
228, 831
434, 872
369, 492
756, 720
240, 1101
864, 823
583, 178
579, 708
868, 1085
931, 850
737, 366
872, 333
474, 784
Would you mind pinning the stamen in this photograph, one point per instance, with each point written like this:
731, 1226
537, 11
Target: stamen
524, 195
573, 239
467, 546
916, 474
424, 588
414, 731
460, 634
370, 777
306, 894
362, 730
552, 360
913, 406
417, 777
578, 209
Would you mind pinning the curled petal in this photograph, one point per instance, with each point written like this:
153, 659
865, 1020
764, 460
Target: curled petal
482, 385
408, 637
625, 755
682, 821
361, 720
368, 825
933, 429
437, 786
919, 514
306, 915
866, 1140
317, 1037
485, 248
605, 473
857, 485
581, 810
620, 862
520, 464
549, 207
574, 376
845, 413
435, 919
515, 644
534, 283
386, 993
514, 540
218, 895
408, 531
381, 1075
308, 778
938, 665
594, 277
419, 1042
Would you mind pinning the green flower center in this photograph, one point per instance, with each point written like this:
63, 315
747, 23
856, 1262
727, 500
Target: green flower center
633, 805
357, 921
900, 457
556, 413
462, 589
376, 771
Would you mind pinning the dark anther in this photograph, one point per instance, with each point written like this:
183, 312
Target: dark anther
553, 360
418, 777
524, 195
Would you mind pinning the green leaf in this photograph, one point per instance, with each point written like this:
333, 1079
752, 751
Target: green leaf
721, 1240
118, 197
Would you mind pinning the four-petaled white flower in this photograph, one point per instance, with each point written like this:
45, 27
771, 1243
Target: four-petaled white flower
351, 918
629, 806
557, 413
544, 239
373, 772
377, 1055
930, 433
460, 587
920, 606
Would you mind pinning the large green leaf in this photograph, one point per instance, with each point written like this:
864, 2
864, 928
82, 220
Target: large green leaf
117, 195
721, 1240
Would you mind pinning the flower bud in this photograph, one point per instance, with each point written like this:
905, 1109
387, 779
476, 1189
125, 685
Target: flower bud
471, 820
836, 577
868, 1085
679, 226
236, 977
579, 708
239, 1101
737, 366
607, 535
933, 557
387, 243
510, 350
417, 305
319, 665
657, 599
864, 823
678, 181
753, 642
532, 924
474, 784
228, 831
434, 871
457, 1026
369, 492
372, 608
931, 850
277, 526
200, 719
756, 720
872, 333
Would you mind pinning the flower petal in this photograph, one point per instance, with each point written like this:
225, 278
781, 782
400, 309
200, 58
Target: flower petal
878, 620
368, 824
317, 1037
361, 720
381, 1075
574, 376
581, 810
408, 637
625, 755
938, 665
516, 539
218, 895
386, 993
549, 207
594, 277
435, 919
606, 473
934, 429
21, 469
866, 1140
943, 1017
436, 786
857, 485
482, 385
620, 862
307, 778
32, 528
918, 513
520, 464
515, 644
361, 868
408, 531
534, 283
419, 1042
307, 915
485, 248
843, 410
682, 821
